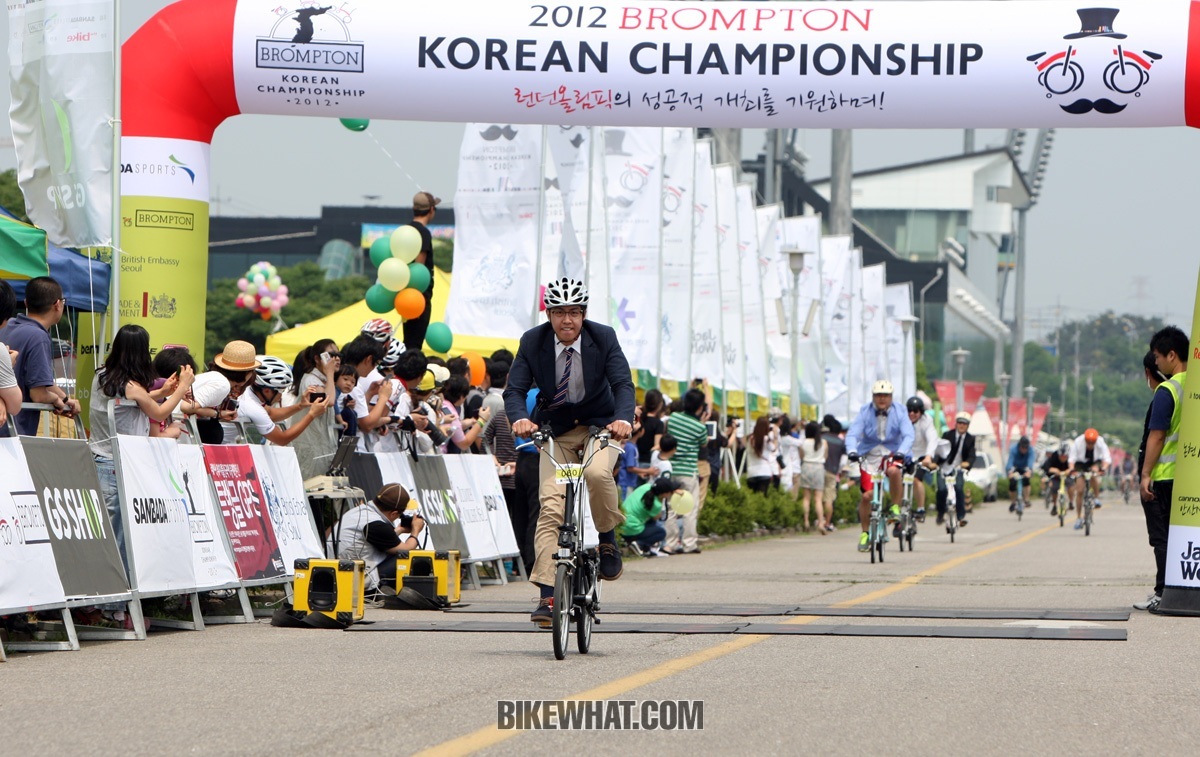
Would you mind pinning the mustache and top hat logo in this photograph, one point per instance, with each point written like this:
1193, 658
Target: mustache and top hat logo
1061, 73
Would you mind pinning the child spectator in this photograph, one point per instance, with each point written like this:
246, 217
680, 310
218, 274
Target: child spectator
660, 459
629, 473
347, 417
167, 363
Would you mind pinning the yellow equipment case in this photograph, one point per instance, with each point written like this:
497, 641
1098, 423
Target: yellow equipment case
334, 588
435, 575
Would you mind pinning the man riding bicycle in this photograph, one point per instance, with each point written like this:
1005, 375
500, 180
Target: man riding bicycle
1055, 467
880, 435
1088, 452
584, 381
1020, 463
925, 440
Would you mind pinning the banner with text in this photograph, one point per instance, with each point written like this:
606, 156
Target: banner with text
291, 519
678, 210
243, 505
729, 262
212, 561
28, 576
481, 472
471, 508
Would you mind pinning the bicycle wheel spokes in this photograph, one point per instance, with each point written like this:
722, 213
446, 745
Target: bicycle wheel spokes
586, 581
561, 614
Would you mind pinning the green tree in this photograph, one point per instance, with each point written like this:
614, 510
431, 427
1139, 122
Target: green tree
310, 297
10, 194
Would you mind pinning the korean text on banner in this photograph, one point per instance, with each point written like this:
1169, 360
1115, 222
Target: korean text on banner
60, 57
68, 489
706, 357
28, 576
291, 520
243, 505
496, 211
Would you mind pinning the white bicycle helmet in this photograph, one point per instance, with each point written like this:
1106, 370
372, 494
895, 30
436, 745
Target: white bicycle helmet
378, 329
565, 292
273, 373
882, 386
394, 350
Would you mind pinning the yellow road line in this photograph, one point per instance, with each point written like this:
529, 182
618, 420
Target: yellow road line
490, 735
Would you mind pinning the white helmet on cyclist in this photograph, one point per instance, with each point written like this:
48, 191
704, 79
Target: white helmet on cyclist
565, 292
378, 329
272, 372
395, 349
882, 386
963, 417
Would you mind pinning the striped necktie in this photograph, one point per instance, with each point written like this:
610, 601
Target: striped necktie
560, 392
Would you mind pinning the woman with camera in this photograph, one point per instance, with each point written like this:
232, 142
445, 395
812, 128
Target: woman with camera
315, 371
370, 533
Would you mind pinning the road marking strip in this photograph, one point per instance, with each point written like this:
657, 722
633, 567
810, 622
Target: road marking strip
490, 735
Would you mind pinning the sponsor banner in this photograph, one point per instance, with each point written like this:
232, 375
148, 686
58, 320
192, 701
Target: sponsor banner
972, 394
774, 302
435, 493
678, 209
68, 490
471, 508
902, 366
755, 64
158, 167
753, 331
291, 520
733, 377
804, 233
633, 199
480, 472
496, 210
211, 561
874, 328
61, 76
158, 512
706, 347
28, 576
393, 468
244, 508
835, 313
992, 406
570, 150
1183, 545
1016, 418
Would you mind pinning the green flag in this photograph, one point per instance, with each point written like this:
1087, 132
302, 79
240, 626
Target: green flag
23, 250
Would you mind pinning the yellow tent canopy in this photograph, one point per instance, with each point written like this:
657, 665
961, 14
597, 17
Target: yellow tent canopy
344, 325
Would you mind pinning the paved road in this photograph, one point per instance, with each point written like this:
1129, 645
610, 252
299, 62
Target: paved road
258, 689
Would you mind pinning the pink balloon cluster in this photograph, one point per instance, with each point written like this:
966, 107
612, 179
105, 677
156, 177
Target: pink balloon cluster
262, 291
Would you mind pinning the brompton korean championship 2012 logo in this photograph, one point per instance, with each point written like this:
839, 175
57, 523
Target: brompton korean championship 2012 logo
312, 37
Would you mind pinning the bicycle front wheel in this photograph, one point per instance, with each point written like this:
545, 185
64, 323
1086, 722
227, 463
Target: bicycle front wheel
561, 615
586, 580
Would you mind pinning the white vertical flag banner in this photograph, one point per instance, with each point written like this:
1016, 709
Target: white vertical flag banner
757, 374
835, 283
775, 310
875, 361
804, 233
553, 220
496, 211
679, 168
28, 573
858, 393
60, 70
633, 162
733, 343
596, 261
706, 348
897, 300
567, 172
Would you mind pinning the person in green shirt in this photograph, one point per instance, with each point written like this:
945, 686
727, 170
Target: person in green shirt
642, 507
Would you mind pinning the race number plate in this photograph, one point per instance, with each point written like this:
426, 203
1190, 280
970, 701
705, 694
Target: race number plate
565, 474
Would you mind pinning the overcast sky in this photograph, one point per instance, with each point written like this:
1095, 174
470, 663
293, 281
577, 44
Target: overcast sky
1116, 205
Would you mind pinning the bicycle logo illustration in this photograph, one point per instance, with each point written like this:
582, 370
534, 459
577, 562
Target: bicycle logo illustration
1062, 74
635, 177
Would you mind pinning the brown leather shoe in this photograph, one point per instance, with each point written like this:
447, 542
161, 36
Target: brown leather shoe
611, 566
541, 616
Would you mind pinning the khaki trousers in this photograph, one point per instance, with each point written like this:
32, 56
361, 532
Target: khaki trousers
602, 493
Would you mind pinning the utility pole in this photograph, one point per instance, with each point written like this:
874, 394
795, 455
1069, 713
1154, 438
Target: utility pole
1035, 176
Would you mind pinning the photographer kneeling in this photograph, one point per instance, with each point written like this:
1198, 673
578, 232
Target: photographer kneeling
367, 533
642, 507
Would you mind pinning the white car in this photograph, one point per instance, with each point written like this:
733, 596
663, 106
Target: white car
985, 474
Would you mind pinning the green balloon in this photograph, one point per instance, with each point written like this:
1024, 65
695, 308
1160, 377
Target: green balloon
418, 276
380, 300
439, 338
381, 250
355, 124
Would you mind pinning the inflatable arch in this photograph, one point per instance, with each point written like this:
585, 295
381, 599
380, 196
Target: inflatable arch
613, 63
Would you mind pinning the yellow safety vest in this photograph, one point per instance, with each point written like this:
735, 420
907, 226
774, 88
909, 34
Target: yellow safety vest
1164, 470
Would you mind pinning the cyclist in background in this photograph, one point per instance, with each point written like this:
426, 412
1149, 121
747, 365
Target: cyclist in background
1088, 452
1020, 463
880, 431
579, 368
1055, 466
925, 440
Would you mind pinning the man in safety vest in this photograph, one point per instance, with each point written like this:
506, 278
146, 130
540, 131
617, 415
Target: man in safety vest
1170, 348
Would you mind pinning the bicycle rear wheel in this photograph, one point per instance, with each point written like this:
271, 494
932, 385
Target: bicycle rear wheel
561, 614
1087, 519
587, 583
903, 528
873, 536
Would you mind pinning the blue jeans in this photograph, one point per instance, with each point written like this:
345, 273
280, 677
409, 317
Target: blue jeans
106, 470
650, 536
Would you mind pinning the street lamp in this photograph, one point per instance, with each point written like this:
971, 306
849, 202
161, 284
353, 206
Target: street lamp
906, 325
796, 264
1029, 392
960, 359
1004, 380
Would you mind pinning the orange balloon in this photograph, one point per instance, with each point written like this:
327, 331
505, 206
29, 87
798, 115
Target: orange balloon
265, 315
478, 369
410, 303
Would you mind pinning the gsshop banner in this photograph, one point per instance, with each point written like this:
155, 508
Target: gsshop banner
436, 495
28, 576
68, 490
244, 507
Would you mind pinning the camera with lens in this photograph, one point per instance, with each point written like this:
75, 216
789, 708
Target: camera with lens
406, 518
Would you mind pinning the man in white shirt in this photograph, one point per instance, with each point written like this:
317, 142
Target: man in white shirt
271, 379
925, 440
1089, 452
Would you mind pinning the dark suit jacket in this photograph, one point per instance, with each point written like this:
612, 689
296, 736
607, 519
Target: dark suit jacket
607, 382
968, 444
